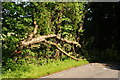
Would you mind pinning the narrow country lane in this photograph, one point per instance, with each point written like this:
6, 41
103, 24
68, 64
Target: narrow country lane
93, 70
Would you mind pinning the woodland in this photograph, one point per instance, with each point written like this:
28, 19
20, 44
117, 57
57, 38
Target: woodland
40, 33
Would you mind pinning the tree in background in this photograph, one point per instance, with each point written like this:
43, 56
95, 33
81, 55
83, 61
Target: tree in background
102, 30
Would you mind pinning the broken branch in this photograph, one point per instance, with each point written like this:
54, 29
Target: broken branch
48, 42
43, 38
39, 39
25, 43
70, 42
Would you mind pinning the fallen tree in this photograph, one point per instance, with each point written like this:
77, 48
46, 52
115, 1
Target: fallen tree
32, 40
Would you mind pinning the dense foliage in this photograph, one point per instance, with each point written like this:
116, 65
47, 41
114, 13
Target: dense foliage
63, 19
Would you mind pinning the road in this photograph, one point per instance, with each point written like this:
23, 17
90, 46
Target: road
93, 70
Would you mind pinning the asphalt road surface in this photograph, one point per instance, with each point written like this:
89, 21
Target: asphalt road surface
93, 70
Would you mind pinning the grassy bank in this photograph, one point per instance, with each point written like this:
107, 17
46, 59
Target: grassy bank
36, 71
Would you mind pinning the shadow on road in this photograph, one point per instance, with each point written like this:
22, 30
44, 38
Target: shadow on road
114, 66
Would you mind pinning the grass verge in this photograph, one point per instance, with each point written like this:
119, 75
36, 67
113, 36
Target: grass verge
36, 71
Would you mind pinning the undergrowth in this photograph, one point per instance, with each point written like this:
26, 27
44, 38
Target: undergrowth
38, 70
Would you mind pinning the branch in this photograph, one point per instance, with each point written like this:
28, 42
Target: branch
35, 29
68, 41
39, 39
31, 35
25, 43
54, 44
